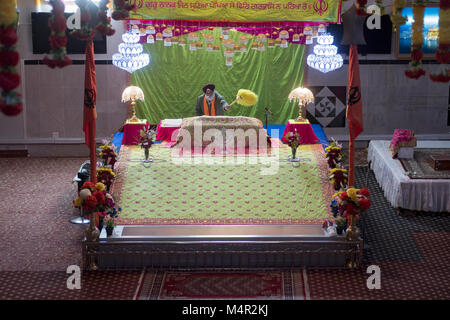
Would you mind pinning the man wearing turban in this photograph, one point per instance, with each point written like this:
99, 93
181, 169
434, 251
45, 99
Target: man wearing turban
211, 103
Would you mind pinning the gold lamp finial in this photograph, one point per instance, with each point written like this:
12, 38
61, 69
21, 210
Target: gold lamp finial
133, 93
303, 96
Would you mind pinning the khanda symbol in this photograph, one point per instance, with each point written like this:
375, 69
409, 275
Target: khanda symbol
89, 98
320, 6
354, 95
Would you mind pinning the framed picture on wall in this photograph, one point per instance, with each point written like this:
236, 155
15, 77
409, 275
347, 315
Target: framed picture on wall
430, 33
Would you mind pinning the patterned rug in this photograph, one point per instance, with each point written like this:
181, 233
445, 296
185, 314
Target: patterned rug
272, 285
174, 190
52, 285
388, 235
427, 279
35, 207
419, 167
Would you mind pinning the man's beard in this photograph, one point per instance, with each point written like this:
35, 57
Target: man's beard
209, 98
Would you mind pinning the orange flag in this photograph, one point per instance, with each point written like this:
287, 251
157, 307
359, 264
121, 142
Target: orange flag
354, 110
89, 111
354, 102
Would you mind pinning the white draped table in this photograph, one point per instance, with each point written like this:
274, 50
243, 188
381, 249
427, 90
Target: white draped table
399, 189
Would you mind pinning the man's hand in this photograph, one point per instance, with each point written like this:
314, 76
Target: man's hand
226, 108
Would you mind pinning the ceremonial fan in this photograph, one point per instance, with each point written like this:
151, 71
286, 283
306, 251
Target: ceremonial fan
245, 98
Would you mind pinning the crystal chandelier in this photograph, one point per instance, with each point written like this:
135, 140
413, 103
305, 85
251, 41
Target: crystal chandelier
325, 57
130, 56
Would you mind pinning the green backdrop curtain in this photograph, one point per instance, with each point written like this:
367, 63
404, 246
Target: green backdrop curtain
175, 77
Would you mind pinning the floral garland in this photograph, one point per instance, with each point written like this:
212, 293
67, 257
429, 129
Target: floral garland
104, 24
85, 32
122, 9
443, 51
416, 70
396, 16
58, 38
10, 100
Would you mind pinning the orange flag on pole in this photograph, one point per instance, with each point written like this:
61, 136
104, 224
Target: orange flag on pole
354, 108
89, 111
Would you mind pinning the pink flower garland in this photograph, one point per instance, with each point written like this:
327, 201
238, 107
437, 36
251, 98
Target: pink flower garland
10, 100
57, 39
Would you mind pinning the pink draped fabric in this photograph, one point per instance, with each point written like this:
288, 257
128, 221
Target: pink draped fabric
131, 133
165, 133
305, 131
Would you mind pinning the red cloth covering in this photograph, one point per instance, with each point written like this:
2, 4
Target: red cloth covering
131, 132
165, 133
304, 130
402, 138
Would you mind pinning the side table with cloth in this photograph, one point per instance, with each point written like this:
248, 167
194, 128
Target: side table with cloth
400, 190
166, 129
131, 131
304, 129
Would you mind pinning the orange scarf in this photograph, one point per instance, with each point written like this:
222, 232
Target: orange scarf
205, 107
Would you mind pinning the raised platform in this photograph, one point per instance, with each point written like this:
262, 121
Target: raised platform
221, 246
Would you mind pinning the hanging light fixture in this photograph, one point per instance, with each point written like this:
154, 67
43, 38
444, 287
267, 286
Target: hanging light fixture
130, 56
325, 57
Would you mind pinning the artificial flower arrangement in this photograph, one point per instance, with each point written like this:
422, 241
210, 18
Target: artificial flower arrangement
58, 38
93, 198
346, 206
333, 154
146, 141
400, 139
108, 154
109, 224
338, 178
105, 176
293, 141
10, 100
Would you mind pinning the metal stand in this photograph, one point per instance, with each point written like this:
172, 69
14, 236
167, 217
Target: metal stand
266, 115
80, 219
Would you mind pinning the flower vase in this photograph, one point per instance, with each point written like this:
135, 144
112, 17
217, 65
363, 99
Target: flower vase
109, 231
339, 230
352, 230
92, 233
294, 153
146, 153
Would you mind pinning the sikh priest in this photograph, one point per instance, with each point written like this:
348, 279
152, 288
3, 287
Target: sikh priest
211, 103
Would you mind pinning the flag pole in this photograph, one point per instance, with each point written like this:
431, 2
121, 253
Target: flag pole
351, 158
89, 109
93, 151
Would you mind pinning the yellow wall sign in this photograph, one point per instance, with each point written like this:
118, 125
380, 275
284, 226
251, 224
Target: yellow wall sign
238, 10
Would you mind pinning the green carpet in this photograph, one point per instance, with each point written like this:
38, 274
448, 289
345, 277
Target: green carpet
165, 192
